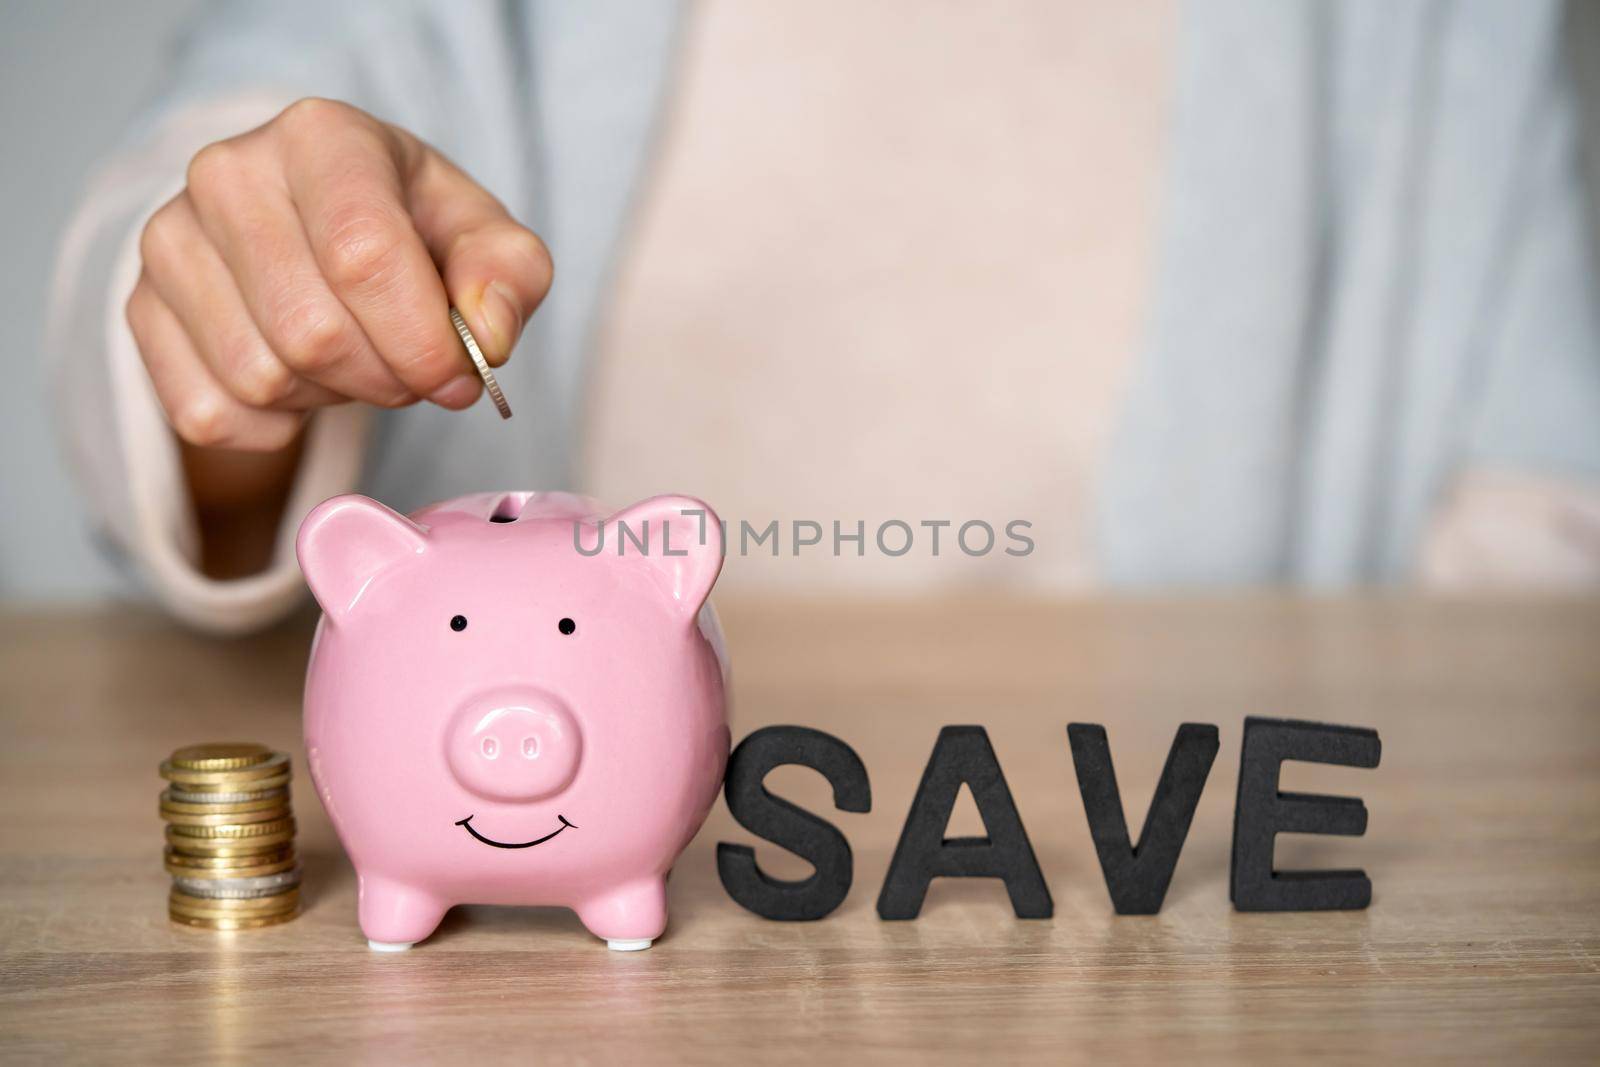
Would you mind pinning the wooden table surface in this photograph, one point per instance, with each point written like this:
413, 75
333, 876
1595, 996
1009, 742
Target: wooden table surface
1482, 942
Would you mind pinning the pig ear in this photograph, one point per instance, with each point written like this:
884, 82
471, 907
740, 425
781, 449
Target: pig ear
684, 547
345, 542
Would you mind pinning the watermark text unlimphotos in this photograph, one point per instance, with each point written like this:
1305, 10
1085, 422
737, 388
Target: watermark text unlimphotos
891, 537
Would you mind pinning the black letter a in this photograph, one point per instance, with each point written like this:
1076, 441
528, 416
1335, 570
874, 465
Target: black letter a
963, 754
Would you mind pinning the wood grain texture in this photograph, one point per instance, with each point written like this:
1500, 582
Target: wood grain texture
1483, 941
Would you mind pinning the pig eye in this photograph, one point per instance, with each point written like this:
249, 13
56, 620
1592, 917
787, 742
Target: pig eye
566, 626
458, 623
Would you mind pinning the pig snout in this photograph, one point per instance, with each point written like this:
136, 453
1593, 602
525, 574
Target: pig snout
521, 746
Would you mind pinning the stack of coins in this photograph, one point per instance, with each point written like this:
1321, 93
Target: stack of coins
230, 837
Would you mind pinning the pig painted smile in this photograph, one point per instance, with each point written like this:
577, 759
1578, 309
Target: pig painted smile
466, 824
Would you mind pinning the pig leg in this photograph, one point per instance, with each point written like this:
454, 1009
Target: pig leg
629, 917
394, 916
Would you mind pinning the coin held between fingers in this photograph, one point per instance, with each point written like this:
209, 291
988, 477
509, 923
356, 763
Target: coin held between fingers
480, 362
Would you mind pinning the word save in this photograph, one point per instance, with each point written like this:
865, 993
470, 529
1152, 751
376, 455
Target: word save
1136, 874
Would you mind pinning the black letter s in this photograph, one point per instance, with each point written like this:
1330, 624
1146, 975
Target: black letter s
811, 838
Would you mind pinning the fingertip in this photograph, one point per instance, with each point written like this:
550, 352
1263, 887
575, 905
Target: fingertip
499, 318
459, 392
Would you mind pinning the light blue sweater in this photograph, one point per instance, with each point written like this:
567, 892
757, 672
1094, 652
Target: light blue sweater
1374, 268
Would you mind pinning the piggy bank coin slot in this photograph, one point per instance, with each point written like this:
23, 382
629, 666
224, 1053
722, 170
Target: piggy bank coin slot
508, 510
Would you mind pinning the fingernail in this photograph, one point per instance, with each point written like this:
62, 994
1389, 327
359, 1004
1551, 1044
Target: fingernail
504, 319
458, 392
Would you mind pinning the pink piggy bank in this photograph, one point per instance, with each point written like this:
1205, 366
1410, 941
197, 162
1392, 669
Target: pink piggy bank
497, 713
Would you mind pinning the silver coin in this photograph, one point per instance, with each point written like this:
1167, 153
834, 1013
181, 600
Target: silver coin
184, 797
481, 363
239, 888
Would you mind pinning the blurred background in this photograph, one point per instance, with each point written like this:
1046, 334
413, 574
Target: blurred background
71, 78
1207, 295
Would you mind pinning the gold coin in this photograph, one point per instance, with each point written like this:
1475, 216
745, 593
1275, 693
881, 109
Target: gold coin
226, 818
235, 780
250, 789
244, 922
201, 861
233, 807
235, 829
207, 906
227, 846
253, 865
290, 907
231, 909
264, 870
220, 756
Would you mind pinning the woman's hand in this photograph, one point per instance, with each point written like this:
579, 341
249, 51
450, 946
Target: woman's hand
312, 261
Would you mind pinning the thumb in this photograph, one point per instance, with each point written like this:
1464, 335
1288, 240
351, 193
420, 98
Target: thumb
495, 270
